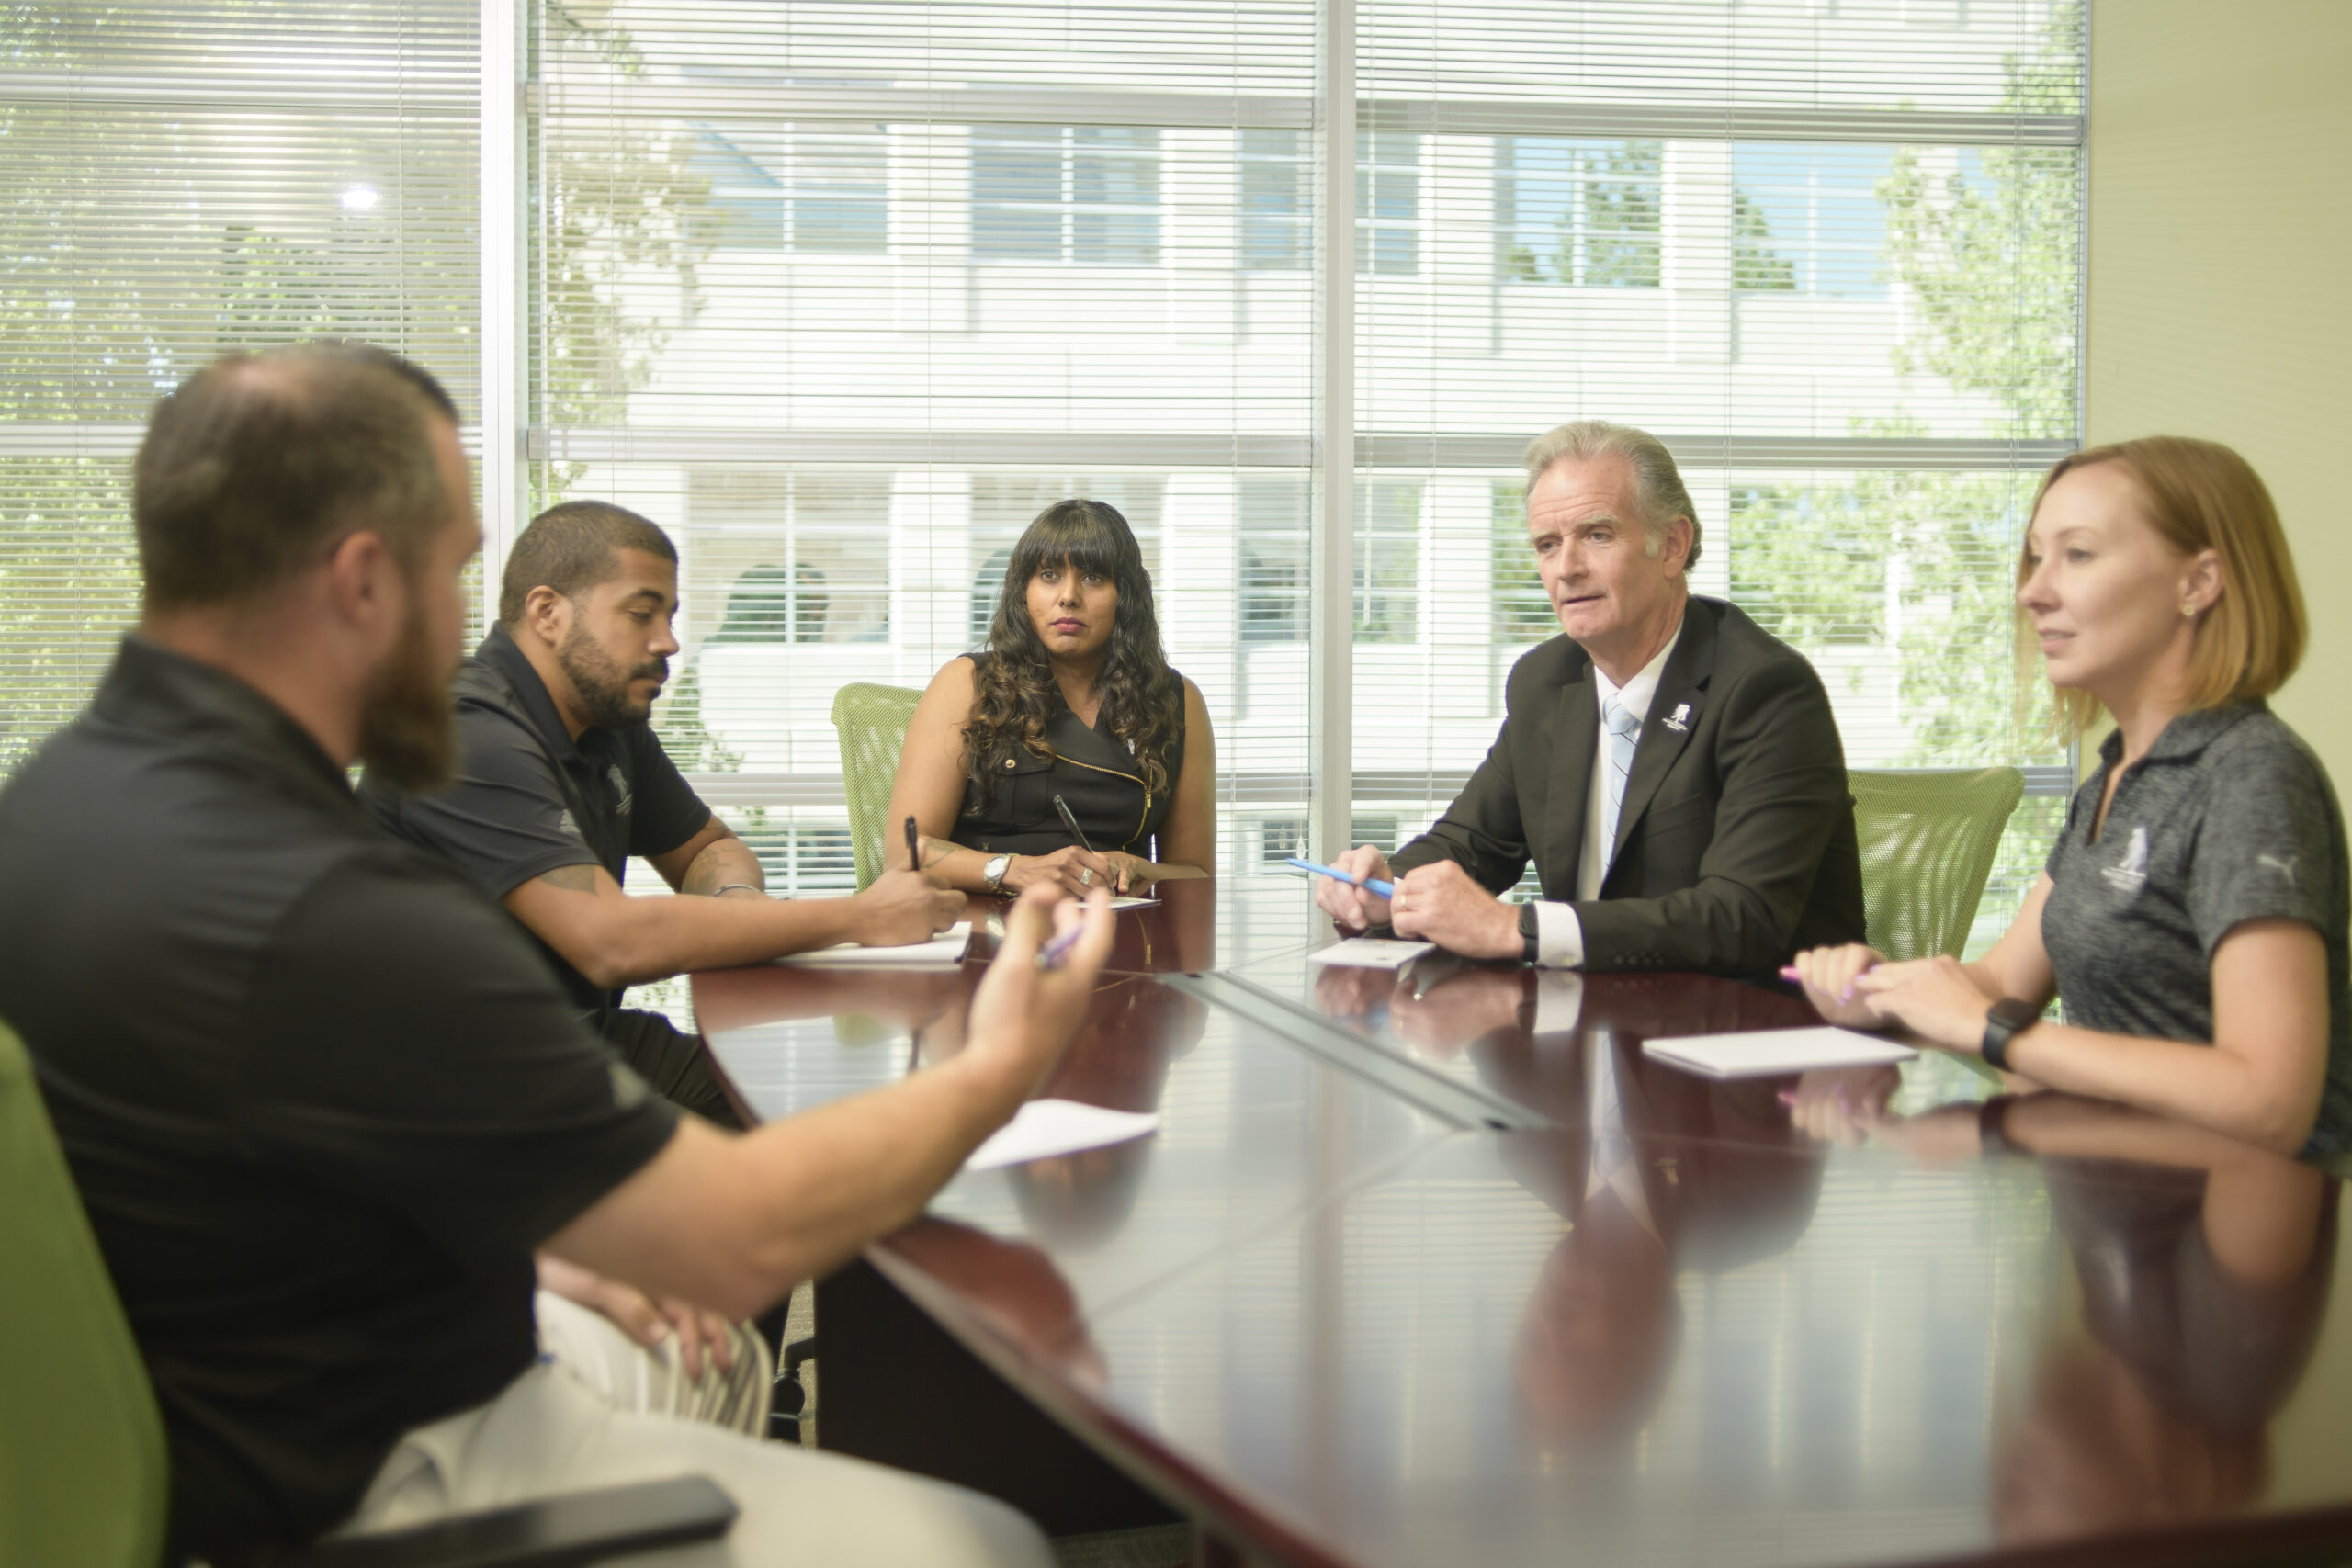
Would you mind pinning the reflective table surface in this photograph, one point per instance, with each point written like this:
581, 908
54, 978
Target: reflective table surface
1437, 1268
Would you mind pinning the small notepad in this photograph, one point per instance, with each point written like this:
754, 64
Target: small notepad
1765, 1052
944, 949
1370, 952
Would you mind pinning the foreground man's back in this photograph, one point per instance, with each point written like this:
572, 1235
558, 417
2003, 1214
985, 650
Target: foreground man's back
322, 1102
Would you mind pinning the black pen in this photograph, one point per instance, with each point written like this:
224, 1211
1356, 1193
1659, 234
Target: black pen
1070, 822
914, 845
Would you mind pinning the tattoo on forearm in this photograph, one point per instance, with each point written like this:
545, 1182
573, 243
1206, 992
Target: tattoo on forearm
719, 865
934, 851
571, 878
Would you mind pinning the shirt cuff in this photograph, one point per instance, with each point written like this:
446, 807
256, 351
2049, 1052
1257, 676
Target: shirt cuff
1559, 936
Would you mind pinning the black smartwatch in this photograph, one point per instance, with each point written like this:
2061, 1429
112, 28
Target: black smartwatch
1527, 930
2003, 1021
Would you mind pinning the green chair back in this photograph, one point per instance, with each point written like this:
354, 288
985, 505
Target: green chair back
81, 1467
871, 723
1928, 839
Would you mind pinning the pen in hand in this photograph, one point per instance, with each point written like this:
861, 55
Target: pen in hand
1070, 820
914, 845
1054, 953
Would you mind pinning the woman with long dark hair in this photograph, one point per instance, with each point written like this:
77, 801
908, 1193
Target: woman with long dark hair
1071, 699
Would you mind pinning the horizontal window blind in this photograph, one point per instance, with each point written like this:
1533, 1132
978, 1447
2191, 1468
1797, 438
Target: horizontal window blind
175, 183
1830, 254
844, 296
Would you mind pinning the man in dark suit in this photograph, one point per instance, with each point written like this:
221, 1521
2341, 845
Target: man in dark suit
1672, 769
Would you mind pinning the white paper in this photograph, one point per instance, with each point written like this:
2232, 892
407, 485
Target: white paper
1118, 902
1762, 1052
1370, 952
944, 949
1045, 1127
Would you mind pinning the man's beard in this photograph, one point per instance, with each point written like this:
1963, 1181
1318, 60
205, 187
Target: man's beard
408, 728
601, 684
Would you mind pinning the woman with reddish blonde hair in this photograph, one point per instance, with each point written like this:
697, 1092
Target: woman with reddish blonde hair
2192, 918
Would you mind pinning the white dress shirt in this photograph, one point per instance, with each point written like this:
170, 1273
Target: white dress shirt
1559, 935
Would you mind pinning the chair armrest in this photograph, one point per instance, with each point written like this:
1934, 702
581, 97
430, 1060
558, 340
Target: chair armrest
553, 1532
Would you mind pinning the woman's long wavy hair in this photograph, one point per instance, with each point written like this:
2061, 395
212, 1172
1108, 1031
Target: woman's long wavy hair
1014, 694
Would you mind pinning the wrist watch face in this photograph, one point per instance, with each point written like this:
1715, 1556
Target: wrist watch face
993, 872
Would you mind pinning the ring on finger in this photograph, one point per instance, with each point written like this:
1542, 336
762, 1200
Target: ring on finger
1085, 877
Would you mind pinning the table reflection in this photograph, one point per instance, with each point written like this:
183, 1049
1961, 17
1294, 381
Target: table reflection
1133, 1031
1641, 1167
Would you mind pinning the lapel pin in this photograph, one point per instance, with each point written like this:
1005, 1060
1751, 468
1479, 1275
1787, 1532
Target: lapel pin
1680, 719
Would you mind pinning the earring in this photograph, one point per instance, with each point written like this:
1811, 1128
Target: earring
2189, 608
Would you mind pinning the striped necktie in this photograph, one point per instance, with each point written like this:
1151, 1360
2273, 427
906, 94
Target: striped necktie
1624, 729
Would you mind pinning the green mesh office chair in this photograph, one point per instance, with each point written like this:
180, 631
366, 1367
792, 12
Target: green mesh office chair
82, 1461
1928, 839
871, 723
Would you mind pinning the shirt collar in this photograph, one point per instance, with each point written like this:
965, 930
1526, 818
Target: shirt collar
151, 687
1637, 695
2187, 735
504, 655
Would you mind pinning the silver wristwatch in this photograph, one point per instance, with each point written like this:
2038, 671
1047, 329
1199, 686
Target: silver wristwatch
993, 872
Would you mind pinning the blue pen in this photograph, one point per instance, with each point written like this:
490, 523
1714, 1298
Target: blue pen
1374, 884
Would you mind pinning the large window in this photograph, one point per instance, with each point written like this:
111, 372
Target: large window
845, 297
177, 181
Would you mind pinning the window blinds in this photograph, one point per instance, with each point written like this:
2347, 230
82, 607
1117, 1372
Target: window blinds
1830, 253
845, 295
176, 182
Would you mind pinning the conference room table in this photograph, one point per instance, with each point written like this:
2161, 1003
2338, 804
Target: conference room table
1437, 1265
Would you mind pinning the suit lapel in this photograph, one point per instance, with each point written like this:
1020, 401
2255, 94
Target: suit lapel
1674, 714
1571, 781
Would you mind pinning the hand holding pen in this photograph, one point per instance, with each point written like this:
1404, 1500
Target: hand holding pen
1086, 873
1027, 1006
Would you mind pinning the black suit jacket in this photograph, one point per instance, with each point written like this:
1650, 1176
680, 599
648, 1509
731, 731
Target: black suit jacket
1735, 842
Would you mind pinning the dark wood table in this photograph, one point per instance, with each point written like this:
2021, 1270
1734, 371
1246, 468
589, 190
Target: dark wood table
1437, 1268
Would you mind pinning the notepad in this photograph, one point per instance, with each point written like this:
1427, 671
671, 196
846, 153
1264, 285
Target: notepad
1047, 1127
1370, 952
1763, 1052
1121, 902
941, 950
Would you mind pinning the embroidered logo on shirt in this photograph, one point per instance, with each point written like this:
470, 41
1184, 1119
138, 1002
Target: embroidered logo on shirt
2133, 869
2284, 868
570, 826
1680, 719
620, 789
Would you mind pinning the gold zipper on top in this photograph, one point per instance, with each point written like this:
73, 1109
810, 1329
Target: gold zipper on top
1116, 774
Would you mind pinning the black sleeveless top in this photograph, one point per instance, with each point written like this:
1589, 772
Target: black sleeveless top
1093, 772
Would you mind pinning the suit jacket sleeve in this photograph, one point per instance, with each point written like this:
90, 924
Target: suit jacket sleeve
1481, 830
1783, 774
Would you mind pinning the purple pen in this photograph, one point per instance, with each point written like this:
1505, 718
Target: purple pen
1052, 954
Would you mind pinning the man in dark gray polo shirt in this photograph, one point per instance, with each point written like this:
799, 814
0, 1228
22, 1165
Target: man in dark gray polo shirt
321, 1101
561, 779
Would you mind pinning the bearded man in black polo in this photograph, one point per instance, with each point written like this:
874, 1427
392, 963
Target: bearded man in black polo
561, 779
322, 1103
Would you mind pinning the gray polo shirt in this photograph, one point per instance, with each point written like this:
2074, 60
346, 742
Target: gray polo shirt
2229, 818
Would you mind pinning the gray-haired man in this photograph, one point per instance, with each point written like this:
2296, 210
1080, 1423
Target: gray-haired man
1672, 769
